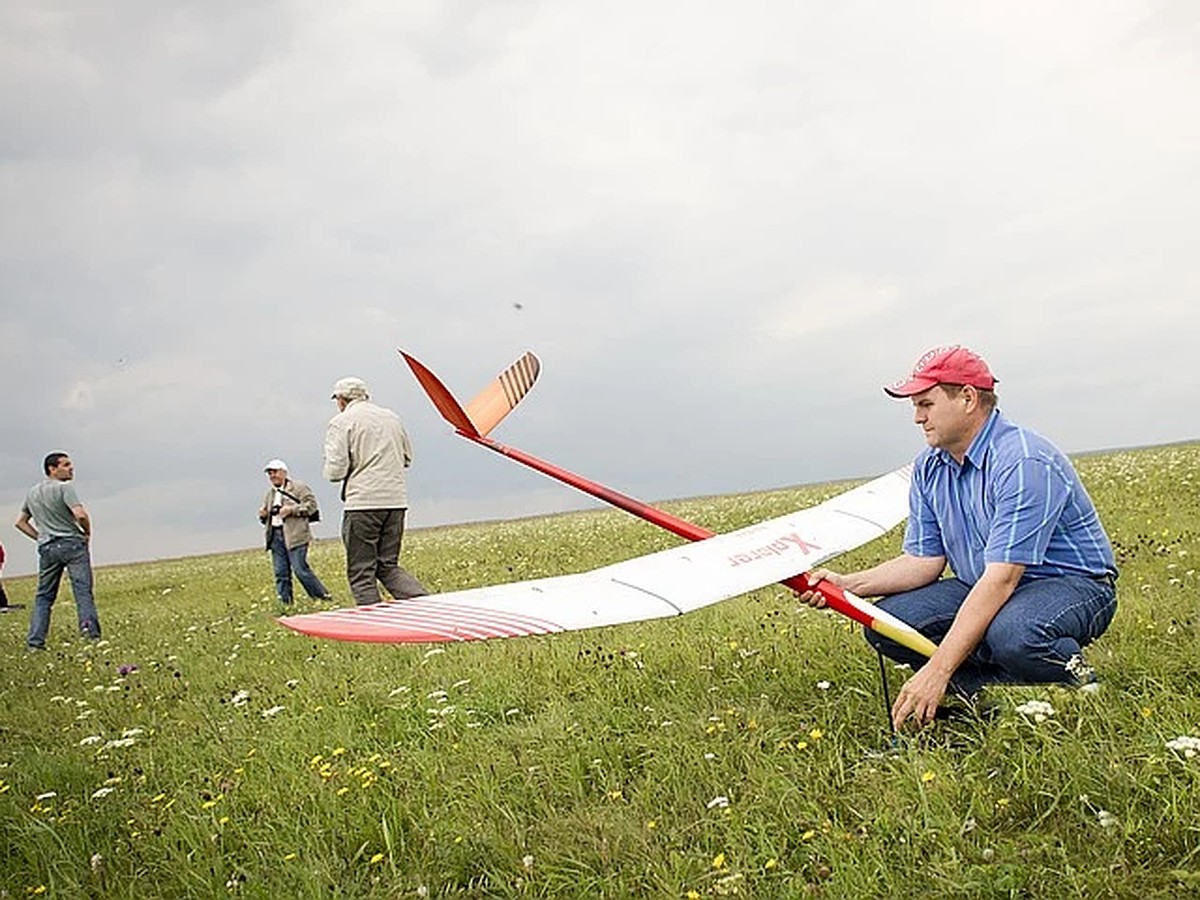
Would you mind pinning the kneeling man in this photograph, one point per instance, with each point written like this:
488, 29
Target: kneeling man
1032, 571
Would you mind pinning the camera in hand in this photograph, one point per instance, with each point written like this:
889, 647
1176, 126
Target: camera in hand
275, 509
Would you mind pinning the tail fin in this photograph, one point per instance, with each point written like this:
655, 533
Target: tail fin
491, 405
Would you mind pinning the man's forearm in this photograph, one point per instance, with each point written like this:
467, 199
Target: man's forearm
974, 616
26, 528
901, 573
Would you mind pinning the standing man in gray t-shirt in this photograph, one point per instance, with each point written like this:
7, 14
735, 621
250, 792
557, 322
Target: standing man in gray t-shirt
62, 532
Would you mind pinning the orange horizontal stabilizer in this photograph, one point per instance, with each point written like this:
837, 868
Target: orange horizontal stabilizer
491, 405
500, 397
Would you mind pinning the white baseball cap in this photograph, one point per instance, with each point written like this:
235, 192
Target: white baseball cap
275, 464
350, 388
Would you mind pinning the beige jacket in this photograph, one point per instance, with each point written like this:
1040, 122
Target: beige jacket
367, 449
296, 530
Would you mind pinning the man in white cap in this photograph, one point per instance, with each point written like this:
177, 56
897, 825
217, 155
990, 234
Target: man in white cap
286, 512
1033, 570
367, 450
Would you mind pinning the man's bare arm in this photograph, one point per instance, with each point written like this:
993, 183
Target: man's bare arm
921, 694
901, 573
24, 525
84, 521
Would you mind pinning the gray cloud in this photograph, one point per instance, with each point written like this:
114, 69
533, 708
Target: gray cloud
724, 228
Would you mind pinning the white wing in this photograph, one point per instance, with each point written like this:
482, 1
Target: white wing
667, 583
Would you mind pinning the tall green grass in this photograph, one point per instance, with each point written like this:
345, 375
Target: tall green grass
740, 750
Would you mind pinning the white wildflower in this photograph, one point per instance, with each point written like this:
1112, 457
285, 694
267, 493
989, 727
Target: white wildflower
132, 732
1185, 744
718, 802
527, 860
240, 698
46, 796
822, 685
102, 792
1038, 710
90, 739
1106, 819
273, 711
119, 742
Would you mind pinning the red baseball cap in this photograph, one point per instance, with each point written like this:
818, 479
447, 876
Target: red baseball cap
945, 365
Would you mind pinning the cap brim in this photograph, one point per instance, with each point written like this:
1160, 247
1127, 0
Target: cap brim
909, 388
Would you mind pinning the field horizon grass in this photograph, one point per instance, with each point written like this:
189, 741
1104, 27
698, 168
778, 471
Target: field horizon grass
203, 750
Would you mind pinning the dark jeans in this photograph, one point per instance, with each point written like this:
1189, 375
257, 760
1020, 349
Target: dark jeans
285, 562
54, 556
1035, 638
372, 540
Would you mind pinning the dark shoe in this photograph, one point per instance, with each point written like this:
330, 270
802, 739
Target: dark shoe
958, 710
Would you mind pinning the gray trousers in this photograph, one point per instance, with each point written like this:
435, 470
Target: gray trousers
372, 541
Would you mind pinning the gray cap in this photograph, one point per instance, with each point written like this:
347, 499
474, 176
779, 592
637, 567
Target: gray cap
350, 388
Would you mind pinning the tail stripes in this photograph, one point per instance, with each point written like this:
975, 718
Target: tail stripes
518, 378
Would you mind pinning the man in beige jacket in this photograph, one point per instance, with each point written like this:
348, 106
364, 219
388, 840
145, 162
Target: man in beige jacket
286, 511
367, 450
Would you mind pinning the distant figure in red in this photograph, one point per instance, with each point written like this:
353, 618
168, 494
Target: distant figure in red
5, 606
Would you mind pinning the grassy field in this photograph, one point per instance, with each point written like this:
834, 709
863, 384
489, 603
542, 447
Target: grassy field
202, 750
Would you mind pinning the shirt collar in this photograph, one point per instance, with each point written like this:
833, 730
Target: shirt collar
979, 447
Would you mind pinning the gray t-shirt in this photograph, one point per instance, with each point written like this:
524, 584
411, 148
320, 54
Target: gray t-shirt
49, 504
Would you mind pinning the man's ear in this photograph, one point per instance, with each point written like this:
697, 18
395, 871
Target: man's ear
971, 395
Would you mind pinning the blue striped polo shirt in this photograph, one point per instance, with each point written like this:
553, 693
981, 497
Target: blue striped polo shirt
1014, 499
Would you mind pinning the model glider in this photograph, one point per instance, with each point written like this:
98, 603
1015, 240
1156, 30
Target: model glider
670, 582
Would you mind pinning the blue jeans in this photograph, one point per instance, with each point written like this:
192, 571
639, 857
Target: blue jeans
285, 562
1033, 639
54, 556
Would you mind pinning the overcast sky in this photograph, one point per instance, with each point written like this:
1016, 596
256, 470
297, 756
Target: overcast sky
721, 226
